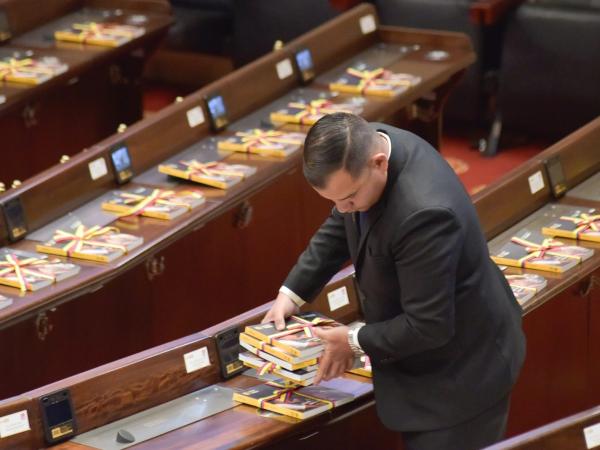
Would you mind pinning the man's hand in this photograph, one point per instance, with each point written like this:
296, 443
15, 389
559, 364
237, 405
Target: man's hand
282, 308
337, 356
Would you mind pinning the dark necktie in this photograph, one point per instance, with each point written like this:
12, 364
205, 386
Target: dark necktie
361, 221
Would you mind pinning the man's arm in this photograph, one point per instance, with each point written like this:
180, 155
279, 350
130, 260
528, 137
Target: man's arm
426, 256
324, 256
322, 259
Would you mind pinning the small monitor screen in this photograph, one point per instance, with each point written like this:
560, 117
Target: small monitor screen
216, 106
120, 158
58, 413
217, 111
304, 60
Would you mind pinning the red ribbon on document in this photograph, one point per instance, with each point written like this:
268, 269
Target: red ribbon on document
75, 241
21, 268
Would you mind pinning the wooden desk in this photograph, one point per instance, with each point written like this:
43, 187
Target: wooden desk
567, 433
561, 366
100, 90
180, 280
157, 375
555, 377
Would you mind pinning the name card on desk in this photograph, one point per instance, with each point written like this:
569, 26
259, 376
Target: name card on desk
98, 168
338, 298
195, 117
592, 436
367, 24
284, 69
536, 182
196, 360
14, 424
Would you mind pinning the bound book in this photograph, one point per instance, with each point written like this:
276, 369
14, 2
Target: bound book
302, 377
297, 339
156, 203
263, 142
103, 34
30, 271
300, 403
363, 80
215, 174
308, 113
275, 355
582, 226
362, 366
31, 71
525, 286
101, 244
5, 302
532, 250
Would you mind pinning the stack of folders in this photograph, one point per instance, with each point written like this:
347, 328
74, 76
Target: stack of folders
291, 354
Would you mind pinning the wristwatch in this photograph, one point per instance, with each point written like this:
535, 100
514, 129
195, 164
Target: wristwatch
352, 342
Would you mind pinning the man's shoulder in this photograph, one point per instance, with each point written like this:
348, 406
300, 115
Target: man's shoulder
396, 132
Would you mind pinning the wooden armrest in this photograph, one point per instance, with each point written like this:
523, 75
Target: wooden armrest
343, 5
143, 6
489, 12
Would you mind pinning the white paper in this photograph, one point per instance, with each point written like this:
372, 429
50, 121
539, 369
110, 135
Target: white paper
196, 360
195, 116
2, 99
592, 436
98, 168
14, 424
338, 298
536, 182
367, 24
284, 69
5, 302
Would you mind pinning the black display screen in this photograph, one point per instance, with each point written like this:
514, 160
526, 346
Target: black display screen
120, 158
304, 60
58, 413
14, 217
217, 112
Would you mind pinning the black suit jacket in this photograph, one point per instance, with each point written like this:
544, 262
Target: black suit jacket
443, 327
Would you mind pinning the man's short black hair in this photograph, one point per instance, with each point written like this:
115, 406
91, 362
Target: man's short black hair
337, 141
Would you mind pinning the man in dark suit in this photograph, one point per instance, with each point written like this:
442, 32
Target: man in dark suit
443, 329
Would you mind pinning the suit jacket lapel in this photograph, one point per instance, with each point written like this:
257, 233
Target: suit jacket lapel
373, 215
396, 163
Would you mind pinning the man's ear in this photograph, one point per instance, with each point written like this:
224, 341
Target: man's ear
380, 161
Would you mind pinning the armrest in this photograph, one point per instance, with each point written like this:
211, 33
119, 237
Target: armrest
489, 12
343, 5
151, 6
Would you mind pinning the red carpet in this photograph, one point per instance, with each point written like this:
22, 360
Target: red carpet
474, 170
477, 171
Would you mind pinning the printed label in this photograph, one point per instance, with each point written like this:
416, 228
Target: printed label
284, 69
367, 24
338, 298
196, 360
98, 168
592, 436
14, 424
536, 182
195, 117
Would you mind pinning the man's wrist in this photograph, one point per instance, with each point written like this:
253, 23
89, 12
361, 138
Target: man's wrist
292, 295
353, 341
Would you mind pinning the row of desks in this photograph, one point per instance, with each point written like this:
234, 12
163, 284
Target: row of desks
561, 321
559, 376
180, 280
100, 90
